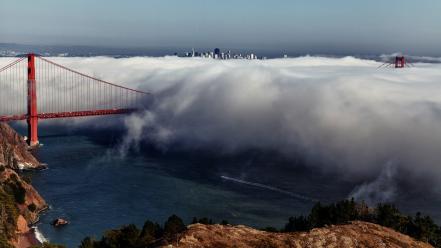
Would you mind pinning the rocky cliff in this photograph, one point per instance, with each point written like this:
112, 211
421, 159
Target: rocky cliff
13, 150
356, 234
20, 202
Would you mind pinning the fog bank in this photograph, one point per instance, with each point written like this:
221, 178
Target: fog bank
344, 113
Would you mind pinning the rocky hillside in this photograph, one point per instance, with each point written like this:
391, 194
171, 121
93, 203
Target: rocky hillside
13, 150
355, 234
20, 202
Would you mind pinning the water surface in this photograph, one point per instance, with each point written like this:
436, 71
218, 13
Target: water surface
93, 187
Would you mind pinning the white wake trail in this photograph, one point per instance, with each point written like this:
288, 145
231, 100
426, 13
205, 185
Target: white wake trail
263, 186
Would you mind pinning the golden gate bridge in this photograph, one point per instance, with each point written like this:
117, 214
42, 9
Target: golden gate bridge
34, 88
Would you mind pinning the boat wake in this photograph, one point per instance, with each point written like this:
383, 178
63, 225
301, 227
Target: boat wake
263, 186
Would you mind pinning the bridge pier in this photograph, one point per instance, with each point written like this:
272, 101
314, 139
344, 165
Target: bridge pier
32, 117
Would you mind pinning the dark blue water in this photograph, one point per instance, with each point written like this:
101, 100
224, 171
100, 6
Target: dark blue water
89, 184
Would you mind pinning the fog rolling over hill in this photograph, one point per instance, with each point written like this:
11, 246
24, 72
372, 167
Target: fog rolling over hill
380, 127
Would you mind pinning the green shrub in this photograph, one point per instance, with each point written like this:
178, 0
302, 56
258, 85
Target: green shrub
8, 215
150, 232
4, 242
297, 224
172, 227
32, 207
13, 186
207, 221
224, 222
49, 245
151, 235
88, 243
419, 227
127, 236
27, 178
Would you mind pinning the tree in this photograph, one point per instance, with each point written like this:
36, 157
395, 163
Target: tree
172, 227
224, 222
427, 230
388, 215
88, 242
48, 245
297, 224
322, 215
127, 236
150, 233
345, 211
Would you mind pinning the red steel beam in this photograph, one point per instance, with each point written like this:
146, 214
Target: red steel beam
69, 114
13, 118
85, 113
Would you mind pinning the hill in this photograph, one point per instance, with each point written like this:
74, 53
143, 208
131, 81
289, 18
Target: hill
354, 234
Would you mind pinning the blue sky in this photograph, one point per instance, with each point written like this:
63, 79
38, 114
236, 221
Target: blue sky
412, 26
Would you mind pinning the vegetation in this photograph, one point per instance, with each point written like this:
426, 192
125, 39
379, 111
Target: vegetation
419, 227
27, 178
151, 235
207, 221
4, 243
8, 216
32, 207
14, 187
48, 245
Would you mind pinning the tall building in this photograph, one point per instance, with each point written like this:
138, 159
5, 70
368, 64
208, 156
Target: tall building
217, 53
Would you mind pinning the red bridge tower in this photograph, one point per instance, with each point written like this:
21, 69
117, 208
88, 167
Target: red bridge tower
63, 93
32, 103
400, 62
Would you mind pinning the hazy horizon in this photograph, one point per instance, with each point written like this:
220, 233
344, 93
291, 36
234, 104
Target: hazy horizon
337, 27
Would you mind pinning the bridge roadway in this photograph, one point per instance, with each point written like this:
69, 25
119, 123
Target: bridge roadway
68, 114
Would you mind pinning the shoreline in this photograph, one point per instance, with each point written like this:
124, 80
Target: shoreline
35, 233
39, 235
28, 239
35, 237
16, 158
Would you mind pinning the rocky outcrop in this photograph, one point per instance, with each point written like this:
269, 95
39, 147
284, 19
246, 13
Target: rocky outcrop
14, 150
355, 234
20, 202
59, 222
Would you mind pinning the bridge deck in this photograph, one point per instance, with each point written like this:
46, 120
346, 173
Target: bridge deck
69, 114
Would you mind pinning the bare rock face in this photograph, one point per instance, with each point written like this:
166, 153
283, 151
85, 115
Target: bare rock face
28, 202
356, 234
20, 201
14, 150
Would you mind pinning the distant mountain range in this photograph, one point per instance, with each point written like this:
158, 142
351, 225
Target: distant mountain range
14, 49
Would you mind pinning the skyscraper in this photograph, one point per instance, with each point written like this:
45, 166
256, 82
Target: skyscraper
217, 53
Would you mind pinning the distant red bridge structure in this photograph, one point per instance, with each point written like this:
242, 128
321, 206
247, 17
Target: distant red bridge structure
399, 62
34, 88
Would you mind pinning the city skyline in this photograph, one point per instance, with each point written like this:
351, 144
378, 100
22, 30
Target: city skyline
291, 26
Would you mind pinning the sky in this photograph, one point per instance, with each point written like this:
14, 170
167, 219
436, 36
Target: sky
300, 26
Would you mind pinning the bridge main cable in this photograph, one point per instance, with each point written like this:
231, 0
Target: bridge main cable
93, 78
61, 92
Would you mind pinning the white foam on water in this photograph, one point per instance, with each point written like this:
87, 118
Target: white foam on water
39, 236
